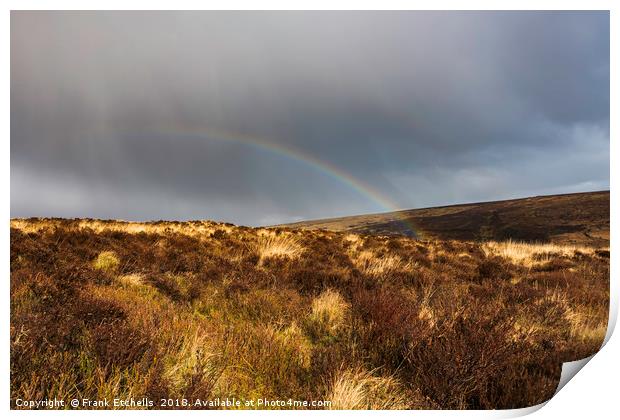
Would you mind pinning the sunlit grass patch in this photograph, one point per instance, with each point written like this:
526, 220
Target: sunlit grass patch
329, 313
266, 361
195, 228
353, 242
585, 324
293, 338
134, 279
530, 254
191, 361
370, 264
106, 261
360, 390
278, 246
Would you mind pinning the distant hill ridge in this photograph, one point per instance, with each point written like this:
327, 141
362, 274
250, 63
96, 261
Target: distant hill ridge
576, 218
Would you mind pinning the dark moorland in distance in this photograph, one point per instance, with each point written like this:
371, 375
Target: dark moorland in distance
579, 218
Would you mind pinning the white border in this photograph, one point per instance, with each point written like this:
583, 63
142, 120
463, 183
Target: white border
592, 394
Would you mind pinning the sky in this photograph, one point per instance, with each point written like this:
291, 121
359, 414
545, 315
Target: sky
259, 118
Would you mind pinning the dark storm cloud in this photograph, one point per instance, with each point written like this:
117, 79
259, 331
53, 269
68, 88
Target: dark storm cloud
118, 114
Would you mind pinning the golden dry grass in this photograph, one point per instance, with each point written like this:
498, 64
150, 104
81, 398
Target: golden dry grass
329, 310
190, 359
293, 339
584, 324
133, 279
106, 261
530, 254
360, 390
197, 228
278, 246
368, 321
372, 265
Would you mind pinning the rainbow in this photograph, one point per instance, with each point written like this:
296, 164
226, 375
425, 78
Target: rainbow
289, 152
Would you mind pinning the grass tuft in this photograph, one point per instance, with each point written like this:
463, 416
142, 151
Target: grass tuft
530, 254
106, 261
359, 390
269, 246
329, 312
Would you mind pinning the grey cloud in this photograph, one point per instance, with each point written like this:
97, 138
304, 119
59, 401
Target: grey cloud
419, 105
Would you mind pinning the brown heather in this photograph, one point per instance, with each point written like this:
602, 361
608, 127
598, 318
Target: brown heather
204, 310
